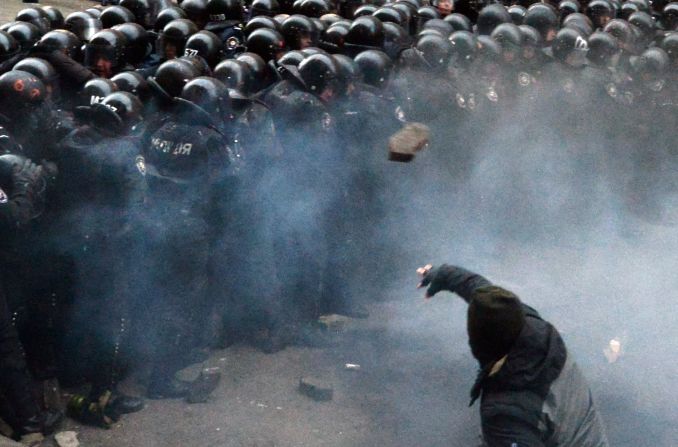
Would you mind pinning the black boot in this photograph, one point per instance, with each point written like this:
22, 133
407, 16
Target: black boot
123, 404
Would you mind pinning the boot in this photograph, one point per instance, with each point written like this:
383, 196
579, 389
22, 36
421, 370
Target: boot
203, 386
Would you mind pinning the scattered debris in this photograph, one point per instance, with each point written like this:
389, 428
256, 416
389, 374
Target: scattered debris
407, 141
334, 322
316, 389
613, 350
67, 439
352, 366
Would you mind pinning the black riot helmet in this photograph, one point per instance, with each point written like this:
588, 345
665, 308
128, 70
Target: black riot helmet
643, 5
261, 22
670, 45
36, 16
205, 44
108, 45
600, 12
602, 48
645, 24
264, 8
364, 10
567, 7
426, 13
348, 73
196, 10
670, 16
43, 70
651, 65
510, 39
236, 75
396, 39
570, 47
409, 13
25, 33
580, 22
464, 45
489, 50
517, 14
299, 32
544, 19
436, 51
56, 18
628, 8
333, 38
443, 27
138, 46
118, 111
389, 14
622, 31
167, 15
257, 67
330, 19
171, 77
9, 47
144, 11
314, 8
208, 96
531, 41
365, 32
175, 34
224, 11
94, 12
132, 82
459, 22
293, 58
20, 92
492, 16
267, 43
64, 41
115, 15
83, 25
375, 67
319, 73
95, 90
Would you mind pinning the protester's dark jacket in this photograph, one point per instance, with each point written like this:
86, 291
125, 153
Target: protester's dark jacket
539, 397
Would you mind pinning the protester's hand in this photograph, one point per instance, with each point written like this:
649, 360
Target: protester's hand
429, 277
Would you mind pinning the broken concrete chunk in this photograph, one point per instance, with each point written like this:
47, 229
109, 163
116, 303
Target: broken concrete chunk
409, 140
67, 439
316, 389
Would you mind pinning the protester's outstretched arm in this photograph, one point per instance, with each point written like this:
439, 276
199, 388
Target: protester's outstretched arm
451, 278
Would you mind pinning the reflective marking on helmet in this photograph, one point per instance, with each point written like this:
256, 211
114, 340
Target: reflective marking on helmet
492, 94
581, 43
232, 43
190, 52
110, 107
19, 85
400, 114
523, 79
95, 99
3, 196
461, 102
141, 164
327, 121
217, 17
611, 89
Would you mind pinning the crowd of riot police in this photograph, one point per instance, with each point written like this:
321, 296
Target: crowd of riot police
176, 177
